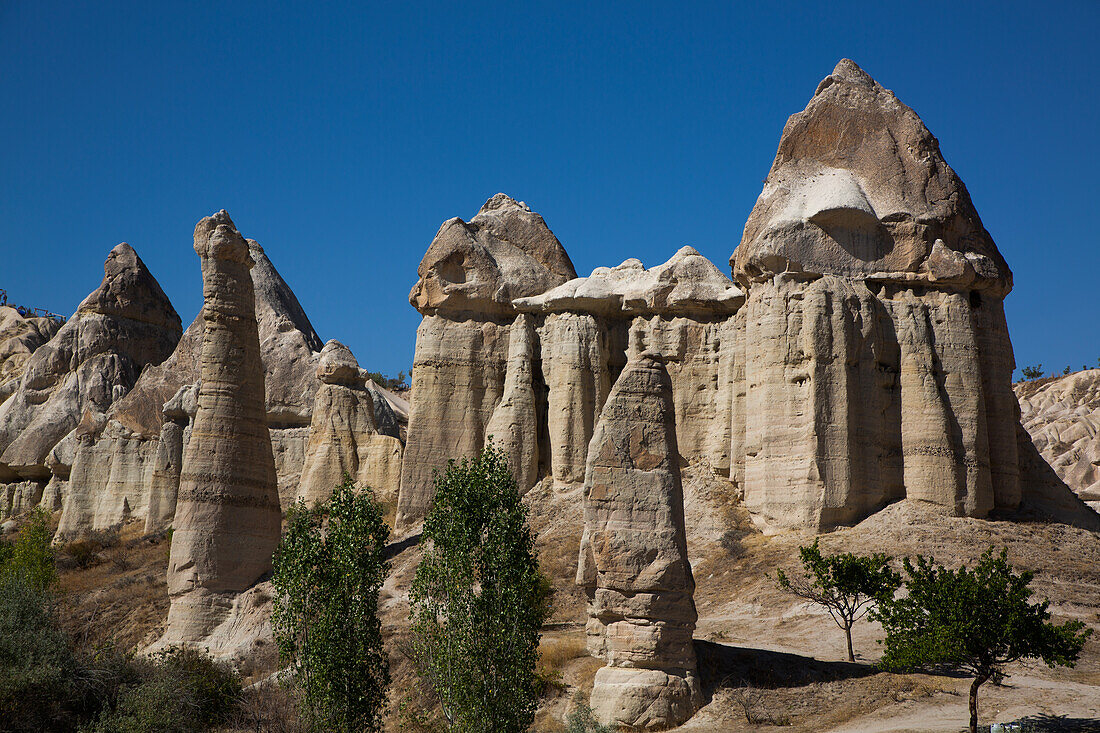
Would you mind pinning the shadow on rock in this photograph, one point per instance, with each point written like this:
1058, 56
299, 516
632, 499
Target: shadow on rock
396, 548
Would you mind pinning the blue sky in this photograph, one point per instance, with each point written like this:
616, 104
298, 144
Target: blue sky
340, 135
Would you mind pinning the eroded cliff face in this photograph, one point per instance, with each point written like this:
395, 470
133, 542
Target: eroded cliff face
89, 364
127, 466
467, 281
859, 355
20, 335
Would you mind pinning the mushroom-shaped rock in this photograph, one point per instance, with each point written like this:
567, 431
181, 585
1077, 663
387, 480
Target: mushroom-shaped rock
859, 188
343, 436
688, 284
505, 252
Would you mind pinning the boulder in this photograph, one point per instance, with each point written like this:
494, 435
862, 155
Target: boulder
859, 188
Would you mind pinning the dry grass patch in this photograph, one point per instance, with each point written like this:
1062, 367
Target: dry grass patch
122, 596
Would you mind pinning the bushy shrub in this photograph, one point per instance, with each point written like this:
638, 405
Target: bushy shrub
177, 690
31, 556
39, 688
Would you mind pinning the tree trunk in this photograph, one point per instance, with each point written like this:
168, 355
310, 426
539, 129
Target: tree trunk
848, 634
974, 701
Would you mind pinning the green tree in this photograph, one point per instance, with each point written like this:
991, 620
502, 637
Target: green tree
31, 557
975, 621
846, 585
477, 602
329, 568
1032, 372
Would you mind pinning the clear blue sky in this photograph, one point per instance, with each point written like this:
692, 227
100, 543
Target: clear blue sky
341, 137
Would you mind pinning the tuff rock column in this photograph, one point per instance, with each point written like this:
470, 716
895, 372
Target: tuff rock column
514, 425
633, 558
343, 437
227, 513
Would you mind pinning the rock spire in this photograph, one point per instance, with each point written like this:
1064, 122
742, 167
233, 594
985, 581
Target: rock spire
227, 519
633, 559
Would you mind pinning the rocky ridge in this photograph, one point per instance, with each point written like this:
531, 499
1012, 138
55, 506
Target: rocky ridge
90, 363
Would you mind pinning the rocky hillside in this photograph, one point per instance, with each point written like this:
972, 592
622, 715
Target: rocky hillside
1062, 414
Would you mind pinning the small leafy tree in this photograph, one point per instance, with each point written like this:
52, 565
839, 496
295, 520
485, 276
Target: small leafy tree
477, 602
30, 558
845, 585
1032, 372
329, 568
975, 621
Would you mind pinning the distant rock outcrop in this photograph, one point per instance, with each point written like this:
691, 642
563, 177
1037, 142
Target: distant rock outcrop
227, 518
634, 560
343, 438
1062, 416
20, 335
92, 361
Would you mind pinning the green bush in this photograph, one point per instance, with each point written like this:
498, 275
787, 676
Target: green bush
973, 621
177, 690
31, 557
39, 674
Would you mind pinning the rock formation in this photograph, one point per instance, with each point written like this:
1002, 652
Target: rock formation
20, 335
1062, 416
227, 518
633, 559
468, 279
128, 466
343, 437
861, 357
92, 361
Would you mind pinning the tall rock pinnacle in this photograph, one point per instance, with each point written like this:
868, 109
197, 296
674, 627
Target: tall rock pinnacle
227, 514
633, 560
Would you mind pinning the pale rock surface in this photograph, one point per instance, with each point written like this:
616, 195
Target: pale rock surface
91, 362
858, 188
876, 354
19, 336
514, 424
634, 560
129, 461
1062, 415
688, 284
505, 252
467, 281
343, 438
227, 518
